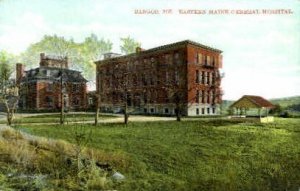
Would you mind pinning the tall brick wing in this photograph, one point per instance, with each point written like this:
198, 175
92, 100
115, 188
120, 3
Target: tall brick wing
149, 79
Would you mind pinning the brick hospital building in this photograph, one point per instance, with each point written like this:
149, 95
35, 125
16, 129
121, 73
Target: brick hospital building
41, 87
147, 80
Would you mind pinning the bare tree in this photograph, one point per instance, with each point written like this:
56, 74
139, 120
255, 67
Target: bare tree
98, 100
121, 93
9, 91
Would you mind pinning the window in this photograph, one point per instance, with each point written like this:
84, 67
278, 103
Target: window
151, 80
208, 78
208, 60
197, 96
200, 77
208, 97
213, 78
203, 96
168, 59
153, 96
145, 110
152, 59
49, 87
213, 110
197, 111
49, 101
167, 77
197, 76
176, 78
76, 87
177, 58
144, 81
203, 77
199, 60
202, 111
145, 97
152, 110
208, 110
166, 110
91, 101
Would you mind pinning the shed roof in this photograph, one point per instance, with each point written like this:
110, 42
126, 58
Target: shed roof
252, 101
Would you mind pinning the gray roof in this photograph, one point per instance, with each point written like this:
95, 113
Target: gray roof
53, 74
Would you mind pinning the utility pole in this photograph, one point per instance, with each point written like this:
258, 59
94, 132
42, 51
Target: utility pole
61, 95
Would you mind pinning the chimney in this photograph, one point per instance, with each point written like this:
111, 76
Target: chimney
42, 58
19, 72
67, 62
42, 55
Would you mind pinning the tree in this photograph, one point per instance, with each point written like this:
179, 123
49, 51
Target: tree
98, 100
129, 45
53, 45
81, 54
9, 90
276, 110
121, 94
91, 50
176, 93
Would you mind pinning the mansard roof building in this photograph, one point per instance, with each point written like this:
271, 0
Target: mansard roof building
149, 81
41, 87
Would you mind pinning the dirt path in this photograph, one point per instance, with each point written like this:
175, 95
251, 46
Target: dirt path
118, 118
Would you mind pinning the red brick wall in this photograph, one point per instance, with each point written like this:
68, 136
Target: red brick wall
193, 65
153, 66
110, 74
37, 97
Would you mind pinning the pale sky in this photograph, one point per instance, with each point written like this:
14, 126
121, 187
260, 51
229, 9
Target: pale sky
261, 52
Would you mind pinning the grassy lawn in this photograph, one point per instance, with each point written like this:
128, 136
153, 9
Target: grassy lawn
208, 154
55, 118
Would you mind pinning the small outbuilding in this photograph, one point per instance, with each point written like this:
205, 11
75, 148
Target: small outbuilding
252, 106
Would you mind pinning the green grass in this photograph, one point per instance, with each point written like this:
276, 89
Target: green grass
208, 154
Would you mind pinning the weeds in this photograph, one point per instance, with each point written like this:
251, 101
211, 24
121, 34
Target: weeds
40, 163
194, 155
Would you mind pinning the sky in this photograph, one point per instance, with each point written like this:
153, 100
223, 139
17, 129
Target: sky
261, 53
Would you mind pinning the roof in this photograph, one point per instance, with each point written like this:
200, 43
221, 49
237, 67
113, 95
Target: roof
257, 101
40, 73
185, 42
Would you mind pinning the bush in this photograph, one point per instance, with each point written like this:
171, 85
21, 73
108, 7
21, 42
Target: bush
285, 114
